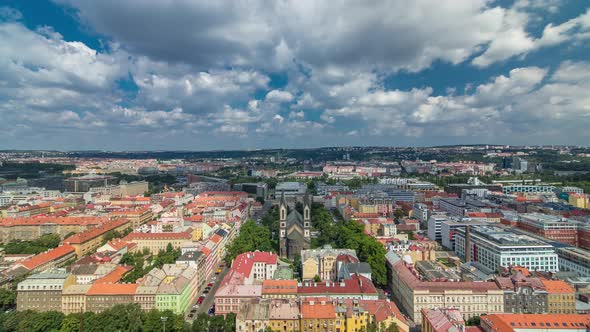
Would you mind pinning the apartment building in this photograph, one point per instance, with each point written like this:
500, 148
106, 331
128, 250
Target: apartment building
177, 287
73, 298
87, 241
323, 262
137, 216
535, 322
27, 229
155, 242
523, 294
103, 296
42, 291
495, 247
574, 259
442, 320
561, 297
552, 227
413, 294
52, 258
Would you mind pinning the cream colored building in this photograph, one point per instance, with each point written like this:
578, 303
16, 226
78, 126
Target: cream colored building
412, 294
323, 262
73, 298
155, 242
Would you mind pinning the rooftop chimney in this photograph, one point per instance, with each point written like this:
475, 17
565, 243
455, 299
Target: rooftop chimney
467, 243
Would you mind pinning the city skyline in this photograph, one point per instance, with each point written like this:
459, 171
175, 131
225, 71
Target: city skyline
196, 76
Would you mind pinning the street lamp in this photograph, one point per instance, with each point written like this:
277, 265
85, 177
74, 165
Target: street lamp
163, 319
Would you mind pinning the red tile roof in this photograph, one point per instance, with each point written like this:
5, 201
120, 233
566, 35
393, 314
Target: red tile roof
243, 263
535, 322
317, 310
94, 232
46, 257
557, 287
53, 220
216, 238
271, 286
356, 285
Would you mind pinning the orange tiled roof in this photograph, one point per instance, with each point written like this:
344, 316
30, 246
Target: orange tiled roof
557, 286
94, 232
115, 275
112, 289
522, 270
216, 238
535, 322
271, 286
52, 220
318, 310
46, 257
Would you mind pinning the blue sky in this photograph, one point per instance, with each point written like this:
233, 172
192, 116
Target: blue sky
200, 75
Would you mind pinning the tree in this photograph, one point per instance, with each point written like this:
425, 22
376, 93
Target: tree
71, 323
350, 234
7, 299
473, 321
317, 278
252, 237
398, 213
42, 321
201, 323
43, 243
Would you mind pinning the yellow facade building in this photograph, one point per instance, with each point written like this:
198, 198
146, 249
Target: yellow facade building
561, 297
87, 241
581, 201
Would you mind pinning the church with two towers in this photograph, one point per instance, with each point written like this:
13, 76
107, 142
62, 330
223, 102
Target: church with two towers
294, 229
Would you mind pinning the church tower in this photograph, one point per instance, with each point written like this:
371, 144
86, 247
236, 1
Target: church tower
307, 216
283, 226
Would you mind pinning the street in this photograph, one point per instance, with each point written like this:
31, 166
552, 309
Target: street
209, 299
259, 214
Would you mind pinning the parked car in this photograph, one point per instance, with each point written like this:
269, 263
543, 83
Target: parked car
200, 300
210, 284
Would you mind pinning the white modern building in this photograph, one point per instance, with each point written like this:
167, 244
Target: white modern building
434, 226
494, 246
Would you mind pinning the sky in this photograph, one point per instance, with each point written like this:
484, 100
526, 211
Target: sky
247, 74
